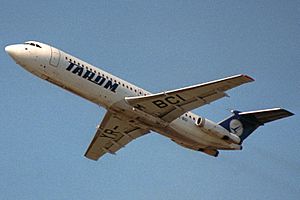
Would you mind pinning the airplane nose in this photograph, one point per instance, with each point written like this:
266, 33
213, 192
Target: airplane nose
11, 50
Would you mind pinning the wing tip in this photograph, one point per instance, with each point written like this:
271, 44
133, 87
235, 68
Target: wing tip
288, 113
91, 157
249, 78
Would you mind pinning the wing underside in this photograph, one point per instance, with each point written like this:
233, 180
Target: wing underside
172, 104
114, 132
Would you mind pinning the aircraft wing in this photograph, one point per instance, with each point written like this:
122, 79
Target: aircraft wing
172, 104
114, 132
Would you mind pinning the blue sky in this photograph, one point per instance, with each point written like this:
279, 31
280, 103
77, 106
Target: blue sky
158, 45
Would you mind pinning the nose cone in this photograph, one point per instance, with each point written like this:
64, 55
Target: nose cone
12, 51
9, 49
17, 52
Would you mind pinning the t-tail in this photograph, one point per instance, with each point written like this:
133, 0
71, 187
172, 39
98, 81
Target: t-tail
244, 123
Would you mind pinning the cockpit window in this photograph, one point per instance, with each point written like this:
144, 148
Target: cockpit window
33, 44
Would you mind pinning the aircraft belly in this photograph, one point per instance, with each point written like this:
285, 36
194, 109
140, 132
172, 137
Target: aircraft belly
194, 137
75, 85
185, 133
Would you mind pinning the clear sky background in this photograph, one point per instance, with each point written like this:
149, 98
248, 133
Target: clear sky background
157, 45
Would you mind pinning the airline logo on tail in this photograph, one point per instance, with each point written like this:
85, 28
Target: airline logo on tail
236, 127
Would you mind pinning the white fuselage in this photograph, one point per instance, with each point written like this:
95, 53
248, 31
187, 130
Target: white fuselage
107, 90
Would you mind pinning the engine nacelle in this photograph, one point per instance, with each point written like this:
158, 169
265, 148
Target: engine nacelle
214, 129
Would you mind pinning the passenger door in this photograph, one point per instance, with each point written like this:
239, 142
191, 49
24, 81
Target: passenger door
55, 56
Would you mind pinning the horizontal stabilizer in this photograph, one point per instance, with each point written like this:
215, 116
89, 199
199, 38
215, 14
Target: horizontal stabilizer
268, 115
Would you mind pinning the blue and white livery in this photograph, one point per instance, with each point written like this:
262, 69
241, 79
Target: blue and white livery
133, 112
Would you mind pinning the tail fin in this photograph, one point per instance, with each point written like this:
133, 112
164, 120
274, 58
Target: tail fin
244, 123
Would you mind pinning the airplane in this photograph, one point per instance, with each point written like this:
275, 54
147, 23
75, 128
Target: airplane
133, 112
